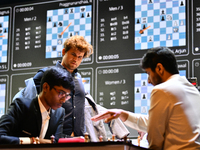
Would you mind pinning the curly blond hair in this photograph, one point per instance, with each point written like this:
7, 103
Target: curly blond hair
79, 43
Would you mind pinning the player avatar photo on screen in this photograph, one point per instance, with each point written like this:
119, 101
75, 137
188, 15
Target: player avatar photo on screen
160, 23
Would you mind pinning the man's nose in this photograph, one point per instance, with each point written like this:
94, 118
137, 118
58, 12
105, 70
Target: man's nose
63, 100
75, 58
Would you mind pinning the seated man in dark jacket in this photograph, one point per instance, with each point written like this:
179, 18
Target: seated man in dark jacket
40, 117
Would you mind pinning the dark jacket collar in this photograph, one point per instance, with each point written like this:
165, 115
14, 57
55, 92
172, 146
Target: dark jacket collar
58, 64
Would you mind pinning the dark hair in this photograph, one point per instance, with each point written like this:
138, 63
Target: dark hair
56, 76
162, 55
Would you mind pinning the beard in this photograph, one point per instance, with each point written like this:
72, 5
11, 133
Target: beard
157, 79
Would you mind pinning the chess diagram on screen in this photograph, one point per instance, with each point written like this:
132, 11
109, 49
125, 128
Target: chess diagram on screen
4, 25
86, 83
160, 23
64, 23
142, 92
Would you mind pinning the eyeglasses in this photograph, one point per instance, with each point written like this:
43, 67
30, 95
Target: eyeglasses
62, 94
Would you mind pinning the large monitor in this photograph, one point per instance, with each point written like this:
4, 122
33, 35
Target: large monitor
32, 34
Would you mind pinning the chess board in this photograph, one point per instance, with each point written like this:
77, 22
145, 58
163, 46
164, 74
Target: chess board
160, 23
143, 91
64, 23
4, 26
2, 98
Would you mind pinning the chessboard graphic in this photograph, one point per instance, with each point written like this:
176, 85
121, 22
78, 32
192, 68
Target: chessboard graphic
143, 91
64, 23
86, 84
160, 23
2, 98
4, 27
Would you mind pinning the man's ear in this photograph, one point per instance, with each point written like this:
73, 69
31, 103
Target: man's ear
160, 69
63, 52
45, 87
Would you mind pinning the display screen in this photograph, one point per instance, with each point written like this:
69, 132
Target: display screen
5, 29
3, 93
40, 30
33, 32
127, 28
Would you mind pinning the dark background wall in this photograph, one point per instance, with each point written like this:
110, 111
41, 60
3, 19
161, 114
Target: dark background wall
111, 75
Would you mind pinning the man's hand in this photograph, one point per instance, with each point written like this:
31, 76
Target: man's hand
44, 141
111, 114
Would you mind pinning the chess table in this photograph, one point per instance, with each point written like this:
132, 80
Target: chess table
75, 146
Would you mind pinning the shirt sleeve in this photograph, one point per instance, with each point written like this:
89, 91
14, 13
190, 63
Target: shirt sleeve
137, 121
25, 140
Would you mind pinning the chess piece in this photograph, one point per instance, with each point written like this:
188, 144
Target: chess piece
113, 137
21, 141
143, 110
100, 138
108, 139
33, 140
163, 12
59, 36
82, 9
138, 140
60, 24
169, 37
59, 54
37, 140
54, 25
163, 19
52, 139
182, 3
138, 40
144, 97
175, 23
182, 23
175, 30
129, 141
125, 139
86, 136
59, 42
150, 39
54, 48
82, 16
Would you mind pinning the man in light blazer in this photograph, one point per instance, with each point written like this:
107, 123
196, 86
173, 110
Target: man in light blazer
40, 117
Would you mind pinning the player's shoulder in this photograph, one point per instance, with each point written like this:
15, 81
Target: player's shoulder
59, 111
22, 103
